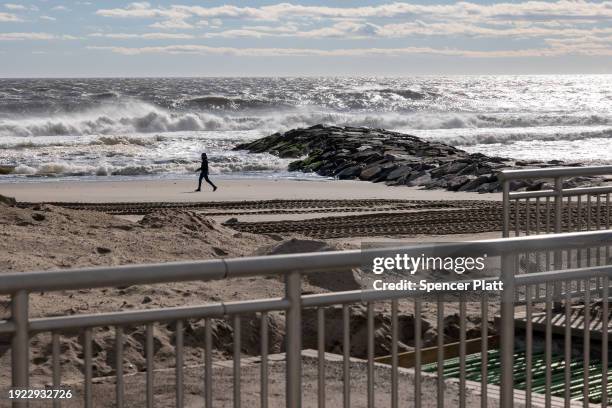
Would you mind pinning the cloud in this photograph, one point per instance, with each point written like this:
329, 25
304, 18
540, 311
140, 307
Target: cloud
48, 18
530, 19
574, 9
60, 8
145, 36
35, 37
12, 6
9, 18
354, 52
172, 24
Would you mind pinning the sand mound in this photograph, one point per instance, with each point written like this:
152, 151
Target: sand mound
186, 220
46, 237
333, 280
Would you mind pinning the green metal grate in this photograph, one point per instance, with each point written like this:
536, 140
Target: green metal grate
538, 373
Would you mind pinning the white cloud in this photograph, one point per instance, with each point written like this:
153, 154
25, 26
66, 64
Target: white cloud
12, 6
355, 52
172, 24
580, 9
531, 19
60, 8
35, 37
8, 18
48, 18
145, 36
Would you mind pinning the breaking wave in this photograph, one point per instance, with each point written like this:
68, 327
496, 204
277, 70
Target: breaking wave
140, 117
569, 134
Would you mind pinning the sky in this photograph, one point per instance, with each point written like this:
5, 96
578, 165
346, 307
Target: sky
55, 38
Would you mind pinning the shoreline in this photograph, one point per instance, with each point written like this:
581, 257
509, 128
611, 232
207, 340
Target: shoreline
230, 189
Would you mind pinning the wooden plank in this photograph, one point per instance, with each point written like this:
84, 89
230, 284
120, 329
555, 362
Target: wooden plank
429, 355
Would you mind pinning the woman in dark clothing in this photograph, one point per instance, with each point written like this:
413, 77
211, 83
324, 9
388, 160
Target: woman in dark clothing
204, 173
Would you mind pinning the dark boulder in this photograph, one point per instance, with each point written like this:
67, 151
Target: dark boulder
379, 155
349, 173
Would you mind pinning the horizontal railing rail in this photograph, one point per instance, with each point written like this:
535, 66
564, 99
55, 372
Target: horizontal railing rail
578, 191
219, 269
554, 172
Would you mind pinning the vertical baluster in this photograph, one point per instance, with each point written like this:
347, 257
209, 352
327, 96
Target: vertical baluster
462, 350
538, 215
484, 348
394, 357
579, 211
87, 357
208, 363
370, 335
589, 209
569, 214
548, 214
568, 348
56, 368
264, 360
587, 341
417, 353
528, 346
321, 355
119, 387
149, 351
440, 352
179, 364
346, 351
548, 344
236, 351
604, 340
527, 217
517, 218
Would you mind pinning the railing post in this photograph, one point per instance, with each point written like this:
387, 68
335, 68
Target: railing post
293, 293
558, 204
507, 332
506, 209
558, 256
20, 351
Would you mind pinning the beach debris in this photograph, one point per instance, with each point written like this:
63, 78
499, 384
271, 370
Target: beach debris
397, 159
103, 250
38, 217
7, 200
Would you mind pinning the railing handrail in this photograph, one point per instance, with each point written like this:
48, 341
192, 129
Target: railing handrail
518, 195
221, 309
274, 264
552, 172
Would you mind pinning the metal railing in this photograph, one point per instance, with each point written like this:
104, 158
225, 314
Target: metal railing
21, 327
555, 210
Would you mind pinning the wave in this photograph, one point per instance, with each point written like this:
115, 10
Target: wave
509, 138
127, 116
122, 118
215, 102
409, 94
98, 167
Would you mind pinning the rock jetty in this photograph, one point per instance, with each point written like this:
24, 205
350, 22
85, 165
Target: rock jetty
394, 158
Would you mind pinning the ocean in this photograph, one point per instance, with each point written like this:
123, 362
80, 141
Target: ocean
157, 127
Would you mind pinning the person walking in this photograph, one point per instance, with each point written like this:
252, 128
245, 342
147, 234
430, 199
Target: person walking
204, 173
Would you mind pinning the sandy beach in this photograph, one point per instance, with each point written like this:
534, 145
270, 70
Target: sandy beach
230, 189
44, 236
